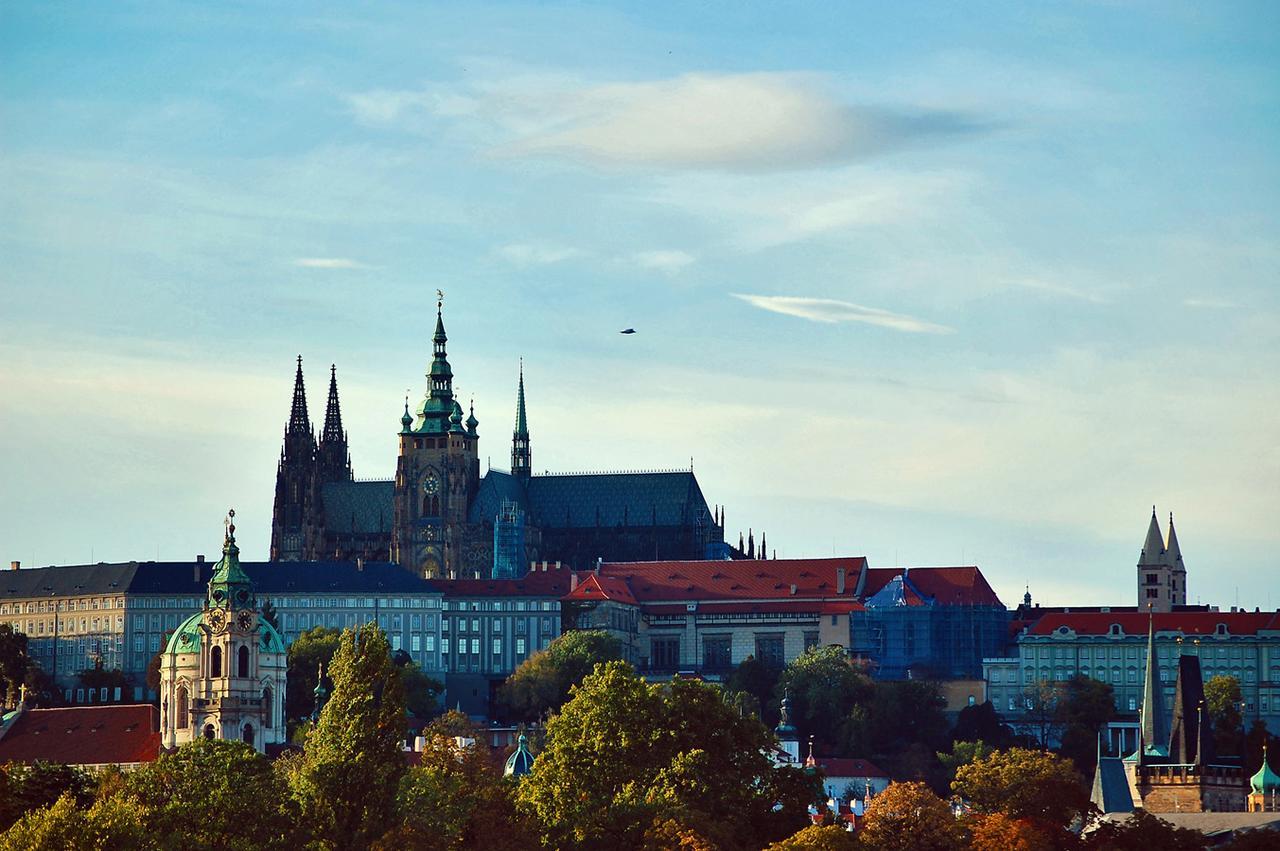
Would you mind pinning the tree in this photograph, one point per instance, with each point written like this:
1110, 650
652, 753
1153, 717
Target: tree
1085, 705
420, 692
42, 690
999, 832
830, 837
453, 799
14, 662
1222, 694
347, 779
1040, 700
624, 754
1024, 784
105, 681
756, 679
114, 822
982, 723
909, 817
823, 687
308, 651
153, 672
270, 615
963, 753
24, 788
902, 722
1143, 832
541, 684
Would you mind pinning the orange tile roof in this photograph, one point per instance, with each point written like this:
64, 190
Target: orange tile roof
111, 734
750, 579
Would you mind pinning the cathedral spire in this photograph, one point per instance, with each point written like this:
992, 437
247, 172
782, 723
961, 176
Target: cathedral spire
332, 412
1173, 553
299, 421
521, 455
1153, 548
437, 408
1153, 732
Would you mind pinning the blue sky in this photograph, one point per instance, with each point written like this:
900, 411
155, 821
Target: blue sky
935, 283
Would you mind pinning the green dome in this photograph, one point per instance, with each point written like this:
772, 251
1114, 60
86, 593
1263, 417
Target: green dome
519, 763
271, 640
1265, 780
186, 638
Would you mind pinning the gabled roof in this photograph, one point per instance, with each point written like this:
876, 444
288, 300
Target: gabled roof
596, 588
1111, 786
617, 499
84, 735
552, 582
1135, 623
753, 579
358, 508
945, 586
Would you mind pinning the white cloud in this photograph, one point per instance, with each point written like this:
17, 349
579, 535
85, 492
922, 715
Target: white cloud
1059, 289
1210, 303
669, 262
327, 263
831, 310
532, 254
733, 122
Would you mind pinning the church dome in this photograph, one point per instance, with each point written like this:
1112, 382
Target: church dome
186, 638
519, 763
272, 641
1265, 780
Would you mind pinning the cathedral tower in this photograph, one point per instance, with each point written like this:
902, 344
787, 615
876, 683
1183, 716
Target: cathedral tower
437, 474
1162, 577
296, 486
333, 457
222, 672
521, 458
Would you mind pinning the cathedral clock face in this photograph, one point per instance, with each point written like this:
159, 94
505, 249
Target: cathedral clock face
245, 620
217, 620
431, 485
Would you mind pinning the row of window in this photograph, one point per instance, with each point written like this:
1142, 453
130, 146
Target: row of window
32, 607
59, 625
1135, 652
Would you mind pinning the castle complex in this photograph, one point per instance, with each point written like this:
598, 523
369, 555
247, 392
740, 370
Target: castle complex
439, 517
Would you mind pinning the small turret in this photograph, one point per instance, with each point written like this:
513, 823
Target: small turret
472, 422
1265, 781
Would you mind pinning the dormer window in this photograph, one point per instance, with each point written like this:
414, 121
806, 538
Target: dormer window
1115, 629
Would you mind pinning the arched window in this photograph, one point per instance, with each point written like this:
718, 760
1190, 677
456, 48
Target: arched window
208, 731
430, 506
215, 662
247, 734
242, 662
266, 707
182, 708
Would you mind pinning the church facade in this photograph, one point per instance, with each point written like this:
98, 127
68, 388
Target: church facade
439, 517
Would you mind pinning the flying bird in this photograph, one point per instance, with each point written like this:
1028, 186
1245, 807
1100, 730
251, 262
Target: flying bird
628, 331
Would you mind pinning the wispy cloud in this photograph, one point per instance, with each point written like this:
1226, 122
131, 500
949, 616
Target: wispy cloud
669, 262
731, 122
1209, 303
328, 263
1052, 288
832, 311
533, 254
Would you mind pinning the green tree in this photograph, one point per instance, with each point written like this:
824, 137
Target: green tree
830, 837
42, 690
909, 817
347, 779
1041, 787
105, 681
1040, 701
623, 755
541, 684
453, 799
1222, 694
214, 794
963, 753
308, 651
902, 721
24, 788
1084, 707
754, 678
823, 687
1143, 832
14, 662
114, 822
982, 723
421, 692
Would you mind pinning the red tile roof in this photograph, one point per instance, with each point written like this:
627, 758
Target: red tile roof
594, 588
552, 582
735, 607
945, 585
757, 579
84, 735
1135, 623
839, 767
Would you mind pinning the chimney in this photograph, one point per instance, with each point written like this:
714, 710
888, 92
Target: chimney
793, 589
599, 561
14, 565
419, 743
573, 580
195, 570
359, 564
839, 580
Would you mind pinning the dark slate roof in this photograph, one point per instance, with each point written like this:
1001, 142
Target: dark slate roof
185, 577
495, 488
613, 499
361, 508
1111, 787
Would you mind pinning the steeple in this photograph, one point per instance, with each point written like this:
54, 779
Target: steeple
521, 454
1153, 731
437, 407
1173, 553
230, 587
334, 458
472, 422
332, 413
1153, 548
299, 421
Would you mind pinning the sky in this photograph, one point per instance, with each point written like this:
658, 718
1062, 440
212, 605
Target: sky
932, 283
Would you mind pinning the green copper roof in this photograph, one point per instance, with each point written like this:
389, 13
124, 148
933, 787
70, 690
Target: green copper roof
271, 640
519, 763
1265, 780
230, 586
186, 638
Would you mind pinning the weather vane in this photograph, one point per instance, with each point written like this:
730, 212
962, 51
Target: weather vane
230, 522
439, 298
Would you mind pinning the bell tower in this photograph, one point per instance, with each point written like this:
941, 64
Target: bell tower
437, 473
1162, 577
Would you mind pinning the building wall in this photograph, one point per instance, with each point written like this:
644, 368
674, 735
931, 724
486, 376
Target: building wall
483, 639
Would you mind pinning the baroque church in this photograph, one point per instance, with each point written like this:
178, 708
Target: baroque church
441, 517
